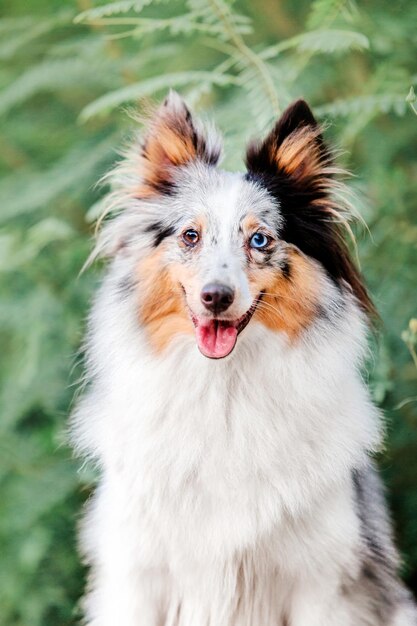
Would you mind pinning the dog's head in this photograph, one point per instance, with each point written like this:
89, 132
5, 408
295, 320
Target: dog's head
219, 251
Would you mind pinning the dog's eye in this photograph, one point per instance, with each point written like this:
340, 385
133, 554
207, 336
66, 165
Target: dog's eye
190, 237
259, 241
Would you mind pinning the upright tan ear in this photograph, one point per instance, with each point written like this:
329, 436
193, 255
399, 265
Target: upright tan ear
173, 140
294, 147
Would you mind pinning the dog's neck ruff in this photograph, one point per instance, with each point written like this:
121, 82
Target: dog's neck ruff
276, 422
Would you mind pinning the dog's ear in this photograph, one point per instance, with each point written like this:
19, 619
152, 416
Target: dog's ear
173, 139
294, 148
297, 168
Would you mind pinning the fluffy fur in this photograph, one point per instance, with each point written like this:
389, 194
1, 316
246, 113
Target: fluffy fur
235, 491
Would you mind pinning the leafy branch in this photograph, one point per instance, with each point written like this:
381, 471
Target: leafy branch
223, 12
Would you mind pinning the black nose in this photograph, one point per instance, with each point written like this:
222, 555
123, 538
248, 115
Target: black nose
217, 297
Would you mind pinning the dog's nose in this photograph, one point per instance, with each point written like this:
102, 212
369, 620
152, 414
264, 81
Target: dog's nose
217, 297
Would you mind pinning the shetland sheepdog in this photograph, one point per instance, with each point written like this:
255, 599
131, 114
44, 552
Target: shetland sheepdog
224, 402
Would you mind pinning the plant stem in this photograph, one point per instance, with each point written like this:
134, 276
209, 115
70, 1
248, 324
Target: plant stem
246, 52
409, 344
413, 107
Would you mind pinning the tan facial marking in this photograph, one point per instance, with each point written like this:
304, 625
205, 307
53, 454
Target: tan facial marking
162, 310
289, 304
250, 224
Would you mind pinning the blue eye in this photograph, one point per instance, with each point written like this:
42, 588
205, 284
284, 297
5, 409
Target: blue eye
190, 237
259, 241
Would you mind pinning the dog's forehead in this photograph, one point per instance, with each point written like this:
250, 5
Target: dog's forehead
224, 199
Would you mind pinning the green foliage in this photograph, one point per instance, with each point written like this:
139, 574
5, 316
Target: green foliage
69, 69
409, 336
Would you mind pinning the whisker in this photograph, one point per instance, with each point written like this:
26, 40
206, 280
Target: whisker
268, 307
278, 297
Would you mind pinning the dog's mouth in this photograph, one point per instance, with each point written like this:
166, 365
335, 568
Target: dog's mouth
217, 338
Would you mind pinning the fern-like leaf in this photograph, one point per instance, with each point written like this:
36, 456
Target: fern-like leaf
364, 105
319, 42
54, 75
324, 12
150, 87
41, 188
115, 8
16, 34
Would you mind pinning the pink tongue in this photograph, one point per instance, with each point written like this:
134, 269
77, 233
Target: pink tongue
215, 339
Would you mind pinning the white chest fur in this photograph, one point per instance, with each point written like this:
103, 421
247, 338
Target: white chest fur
205, 463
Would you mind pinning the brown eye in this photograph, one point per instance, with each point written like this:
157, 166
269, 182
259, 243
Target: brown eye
190, 237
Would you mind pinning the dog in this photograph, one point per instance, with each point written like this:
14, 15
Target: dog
224, 403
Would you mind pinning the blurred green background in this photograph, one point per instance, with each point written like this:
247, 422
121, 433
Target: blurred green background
69, 71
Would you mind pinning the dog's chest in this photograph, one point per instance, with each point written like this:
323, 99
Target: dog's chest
216, 456
209, 471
